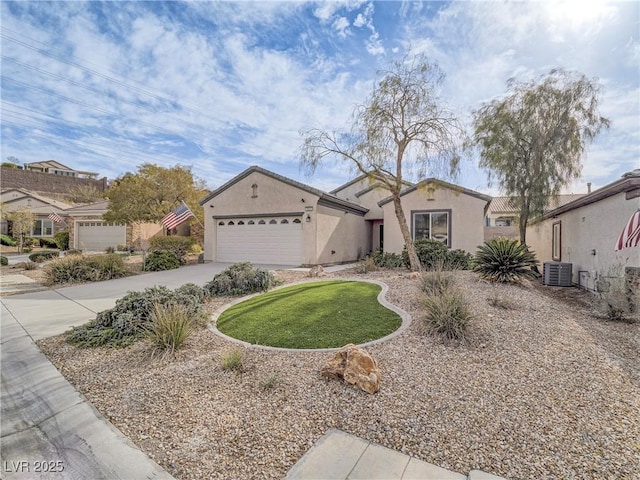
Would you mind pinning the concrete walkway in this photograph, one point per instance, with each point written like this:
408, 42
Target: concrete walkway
49, 430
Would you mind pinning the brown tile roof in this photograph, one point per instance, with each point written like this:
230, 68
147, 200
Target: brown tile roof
501, 204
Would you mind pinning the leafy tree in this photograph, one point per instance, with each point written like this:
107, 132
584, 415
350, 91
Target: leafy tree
403, 125
22, 221
85, 194
152, 192
531, 140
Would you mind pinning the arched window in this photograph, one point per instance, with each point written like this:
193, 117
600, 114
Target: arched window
240, 222
261, 222
272, 222
296, 220
221, 223
230, 223
284, 220
251, 222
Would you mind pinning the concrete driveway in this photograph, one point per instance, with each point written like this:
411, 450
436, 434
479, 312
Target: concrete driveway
48, 429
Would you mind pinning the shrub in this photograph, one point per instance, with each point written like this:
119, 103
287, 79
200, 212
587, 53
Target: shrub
447, 314
77, 268
62, 240
47, 243
7, 240
497, 301
367, 265
240, 279
431, 253
74, 251
178, 245
271, 382
4, 261
458, 260
109, 250
616, 300
233, 360
27, 265
436, 282
129, 319
169, 326
196, 248
160, 260
43, 255
504, 260
388, 259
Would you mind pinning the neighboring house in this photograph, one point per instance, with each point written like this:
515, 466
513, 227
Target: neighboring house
263, 217
584, 233
56, 168
40, 206
502, 218
89, 232
48, 183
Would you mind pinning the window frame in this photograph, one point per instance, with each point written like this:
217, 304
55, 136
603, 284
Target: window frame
556, 241
446, 211
42, 228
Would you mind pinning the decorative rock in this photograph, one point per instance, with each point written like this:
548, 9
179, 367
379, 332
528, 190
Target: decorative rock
355, 366
317, 271
414, 276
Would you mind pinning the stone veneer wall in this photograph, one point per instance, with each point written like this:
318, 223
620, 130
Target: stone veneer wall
45, 182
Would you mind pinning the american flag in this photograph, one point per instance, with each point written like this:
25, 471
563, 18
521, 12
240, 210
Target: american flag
630, 236
174, 218
54, 217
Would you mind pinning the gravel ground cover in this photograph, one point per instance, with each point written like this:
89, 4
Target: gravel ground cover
540, 390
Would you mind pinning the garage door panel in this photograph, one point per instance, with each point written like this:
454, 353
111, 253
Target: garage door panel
98, 236
279, 244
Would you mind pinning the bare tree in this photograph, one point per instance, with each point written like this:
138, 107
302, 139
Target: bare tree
403, 126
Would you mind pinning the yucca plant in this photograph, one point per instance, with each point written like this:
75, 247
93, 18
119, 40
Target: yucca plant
503, 260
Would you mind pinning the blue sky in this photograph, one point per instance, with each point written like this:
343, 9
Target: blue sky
219, 86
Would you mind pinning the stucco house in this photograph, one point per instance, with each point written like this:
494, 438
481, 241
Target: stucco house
584, 233
263, 217
40, 206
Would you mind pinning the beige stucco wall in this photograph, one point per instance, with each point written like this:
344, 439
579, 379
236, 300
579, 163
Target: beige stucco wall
273, 197
368, 200
341, 236
467, 217
594, 227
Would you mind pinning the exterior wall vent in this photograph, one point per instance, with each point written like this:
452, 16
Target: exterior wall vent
557, 274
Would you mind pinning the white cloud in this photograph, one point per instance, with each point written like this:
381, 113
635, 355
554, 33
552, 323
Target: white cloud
341, 25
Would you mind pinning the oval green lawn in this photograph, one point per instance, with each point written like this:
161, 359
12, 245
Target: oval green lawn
311, 315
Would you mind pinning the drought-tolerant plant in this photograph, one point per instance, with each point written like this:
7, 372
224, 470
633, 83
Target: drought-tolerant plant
47, 243
62, 240
77, 268
271, 382
178, 245
497, 301
616, 299
367, 265
159, 260
169, 326
240, 279
431, 253
4, 261
7, 240
74, 251
26, 265
503, 260
128, 320
109, 249
44, 255
458, 260
447, 314
233, 360
436, 282
388, 259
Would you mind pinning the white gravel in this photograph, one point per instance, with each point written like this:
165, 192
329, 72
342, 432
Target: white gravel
540, 391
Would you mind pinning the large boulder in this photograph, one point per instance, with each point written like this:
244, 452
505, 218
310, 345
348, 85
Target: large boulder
355, 366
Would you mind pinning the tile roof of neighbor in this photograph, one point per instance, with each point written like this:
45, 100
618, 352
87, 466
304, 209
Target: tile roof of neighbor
326, 198
501, 204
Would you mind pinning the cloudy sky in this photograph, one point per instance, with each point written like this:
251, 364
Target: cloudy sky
219, 86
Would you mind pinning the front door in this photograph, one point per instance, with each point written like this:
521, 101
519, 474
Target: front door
382, 237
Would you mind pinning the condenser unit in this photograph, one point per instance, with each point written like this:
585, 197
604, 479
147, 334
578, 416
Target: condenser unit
557, 274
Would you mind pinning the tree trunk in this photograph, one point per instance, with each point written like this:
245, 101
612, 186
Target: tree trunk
414, 261
523, 228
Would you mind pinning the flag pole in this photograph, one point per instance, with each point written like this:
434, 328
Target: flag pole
194, 215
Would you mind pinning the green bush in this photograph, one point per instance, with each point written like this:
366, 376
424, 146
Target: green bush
447, 314
503, 260
431, 253
169, 326
4, 261
7, 240
388, 259
240, 279
160, 260
47, 243
109, 250
458, 260
74, 251
178, 245
233, 360
77, 268
130, 318
62, 240
43, 255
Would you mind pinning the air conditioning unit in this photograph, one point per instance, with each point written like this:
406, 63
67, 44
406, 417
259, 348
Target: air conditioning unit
557, 274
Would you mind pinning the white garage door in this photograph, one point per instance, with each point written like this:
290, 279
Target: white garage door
97, 236
276, 240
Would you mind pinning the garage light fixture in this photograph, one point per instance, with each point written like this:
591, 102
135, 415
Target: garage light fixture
308, 218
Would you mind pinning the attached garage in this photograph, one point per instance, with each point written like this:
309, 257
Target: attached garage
275, 240
98, 236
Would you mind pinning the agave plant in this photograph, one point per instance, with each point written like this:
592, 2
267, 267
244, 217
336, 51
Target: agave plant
504, 260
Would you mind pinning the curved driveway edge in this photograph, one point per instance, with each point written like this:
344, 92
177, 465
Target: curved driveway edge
406, 318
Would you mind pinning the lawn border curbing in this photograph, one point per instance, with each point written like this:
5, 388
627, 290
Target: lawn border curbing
406, 318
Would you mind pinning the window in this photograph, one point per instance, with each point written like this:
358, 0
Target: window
261, 222
251, 222
432, 224
230, 223
272, 222
296, 220
284, 220
556, 242
221, 223
42, 228
240, 222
